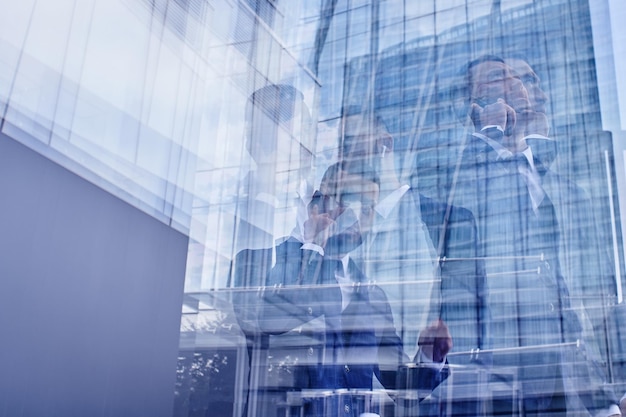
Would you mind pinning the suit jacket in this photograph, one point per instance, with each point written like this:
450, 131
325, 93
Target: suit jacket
424, 255
589, 278
527, 292
346, 349
520, 247
462, 293
582, 258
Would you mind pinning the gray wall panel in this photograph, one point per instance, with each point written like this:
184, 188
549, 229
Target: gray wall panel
90, 296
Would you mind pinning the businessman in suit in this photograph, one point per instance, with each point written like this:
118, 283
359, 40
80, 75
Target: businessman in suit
316, 290
497, 179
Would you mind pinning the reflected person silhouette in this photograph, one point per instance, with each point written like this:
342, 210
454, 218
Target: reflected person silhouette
277, 126
277, 129
277, 123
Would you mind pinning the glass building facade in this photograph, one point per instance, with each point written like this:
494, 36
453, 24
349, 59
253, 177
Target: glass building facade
313, 207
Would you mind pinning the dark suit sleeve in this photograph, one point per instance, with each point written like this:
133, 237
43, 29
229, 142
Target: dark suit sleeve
390, 351
298, 289
248, 273
463, 290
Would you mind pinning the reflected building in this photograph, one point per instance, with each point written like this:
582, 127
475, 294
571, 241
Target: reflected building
164, 166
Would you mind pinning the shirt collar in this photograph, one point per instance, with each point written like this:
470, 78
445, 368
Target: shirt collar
504, 153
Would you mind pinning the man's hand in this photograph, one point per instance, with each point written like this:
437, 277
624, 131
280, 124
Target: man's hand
319, 227
435, 341
496, 114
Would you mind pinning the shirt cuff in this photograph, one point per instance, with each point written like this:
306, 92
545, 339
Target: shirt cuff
538, 136
488, 127
494, 132
313, 247
612, 410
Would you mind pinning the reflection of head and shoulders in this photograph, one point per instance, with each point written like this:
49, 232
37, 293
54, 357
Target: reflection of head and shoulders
507, 109
277, 128
341, 217
273, 193
505, 105
495, 102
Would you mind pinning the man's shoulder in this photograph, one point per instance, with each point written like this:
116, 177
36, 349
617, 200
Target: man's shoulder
435, 210
288, 247
375, 294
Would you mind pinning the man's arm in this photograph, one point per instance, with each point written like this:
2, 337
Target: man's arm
390, 351
461, 301
295, 289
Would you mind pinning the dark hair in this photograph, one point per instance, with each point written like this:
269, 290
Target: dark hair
516, 55
278, 103
480, 60
466, 71
461, 91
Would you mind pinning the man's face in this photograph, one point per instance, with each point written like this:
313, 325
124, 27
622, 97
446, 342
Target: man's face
359, 196
353, 212
531, 81
493, 80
